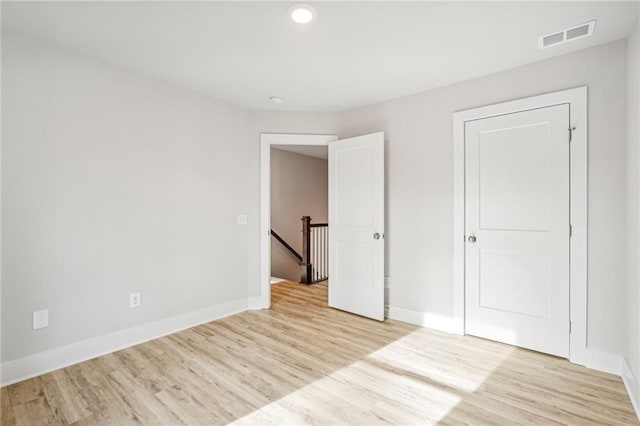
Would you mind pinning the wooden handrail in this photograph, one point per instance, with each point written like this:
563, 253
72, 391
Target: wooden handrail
286, 245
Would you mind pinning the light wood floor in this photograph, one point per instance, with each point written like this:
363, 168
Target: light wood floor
303, 363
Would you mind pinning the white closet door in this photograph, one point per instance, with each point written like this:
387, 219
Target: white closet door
517, 229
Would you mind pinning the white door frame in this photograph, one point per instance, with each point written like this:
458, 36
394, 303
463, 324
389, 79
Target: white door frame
266, 140
577, 100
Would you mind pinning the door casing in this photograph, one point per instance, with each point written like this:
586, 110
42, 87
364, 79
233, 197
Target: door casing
266, 140
577, 100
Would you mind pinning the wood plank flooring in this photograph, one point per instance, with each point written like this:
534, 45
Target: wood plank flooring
303, 363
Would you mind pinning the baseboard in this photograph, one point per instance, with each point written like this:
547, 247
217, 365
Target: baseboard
594, 359
423, 319
258, 302
276, 280
603, 361
633, 386
44, 362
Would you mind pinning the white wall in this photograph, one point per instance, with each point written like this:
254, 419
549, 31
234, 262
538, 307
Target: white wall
299, 187
113, 183
633, 217
418, 132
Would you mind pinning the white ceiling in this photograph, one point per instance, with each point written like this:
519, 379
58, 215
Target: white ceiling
318, 151
354, 54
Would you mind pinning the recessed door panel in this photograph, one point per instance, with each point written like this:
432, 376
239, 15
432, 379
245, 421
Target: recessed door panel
502, 271
514, 182
354, 194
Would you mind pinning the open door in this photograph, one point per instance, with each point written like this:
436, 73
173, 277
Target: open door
356, 224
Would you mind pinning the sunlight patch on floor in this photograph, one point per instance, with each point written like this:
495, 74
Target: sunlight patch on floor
420, 388
409, 357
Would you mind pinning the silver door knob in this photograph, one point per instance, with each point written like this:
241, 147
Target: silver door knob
472, 239
376, 236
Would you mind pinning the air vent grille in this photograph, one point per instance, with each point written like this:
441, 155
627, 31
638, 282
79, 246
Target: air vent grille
570, 34
552, 39
576, 32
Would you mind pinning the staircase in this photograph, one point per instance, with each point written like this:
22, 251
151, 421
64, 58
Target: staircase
314, 260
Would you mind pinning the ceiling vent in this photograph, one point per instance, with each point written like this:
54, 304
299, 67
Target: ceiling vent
570, 34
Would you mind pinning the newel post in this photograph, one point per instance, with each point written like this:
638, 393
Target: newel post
305, 265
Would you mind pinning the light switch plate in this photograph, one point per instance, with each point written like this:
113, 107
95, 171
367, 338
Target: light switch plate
242, 219
40, 319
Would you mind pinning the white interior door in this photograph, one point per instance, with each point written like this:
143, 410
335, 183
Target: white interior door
517, 229
356, 225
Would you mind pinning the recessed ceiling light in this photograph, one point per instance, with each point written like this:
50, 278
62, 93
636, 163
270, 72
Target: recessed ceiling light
276, 99
301, 13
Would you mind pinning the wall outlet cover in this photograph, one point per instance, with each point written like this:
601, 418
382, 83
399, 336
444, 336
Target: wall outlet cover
242, 219
134, 300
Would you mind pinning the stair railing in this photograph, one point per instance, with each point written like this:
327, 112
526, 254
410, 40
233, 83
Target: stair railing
314, 260
286, 245
314, 266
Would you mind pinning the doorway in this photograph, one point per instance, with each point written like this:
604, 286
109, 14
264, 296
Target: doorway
267, 141
299, 214
355, 219
520, 186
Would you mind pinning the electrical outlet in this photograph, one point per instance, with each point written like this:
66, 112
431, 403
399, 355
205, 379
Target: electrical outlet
134, 300
40, 319
242, 219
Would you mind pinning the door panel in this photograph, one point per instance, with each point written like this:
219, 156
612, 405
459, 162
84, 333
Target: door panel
517, 208
356, 213
513, 191
354, 191
500, 268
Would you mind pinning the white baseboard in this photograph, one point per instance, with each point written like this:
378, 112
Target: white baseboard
603, 361
53, 359
258, 302
594, 359
633, 386
276, 280
423, 319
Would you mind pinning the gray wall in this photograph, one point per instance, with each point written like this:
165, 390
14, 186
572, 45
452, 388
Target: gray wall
633, 206
418, 131
299, 187
112, 183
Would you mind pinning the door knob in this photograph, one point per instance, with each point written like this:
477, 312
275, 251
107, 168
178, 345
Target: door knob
376, 236
472, 239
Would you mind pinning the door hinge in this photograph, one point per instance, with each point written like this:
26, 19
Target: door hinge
571, 129
570, 230
569, 327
